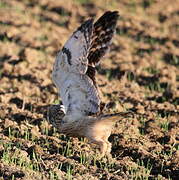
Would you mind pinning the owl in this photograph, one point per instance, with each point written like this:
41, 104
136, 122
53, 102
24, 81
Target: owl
74, 74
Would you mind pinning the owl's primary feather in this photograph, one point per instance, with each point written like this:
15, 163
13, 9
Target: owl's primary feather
103, 31
74, 75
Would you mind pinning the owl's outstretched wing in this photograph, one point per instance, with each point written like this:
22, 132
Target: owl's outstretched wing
69, 74
74, 69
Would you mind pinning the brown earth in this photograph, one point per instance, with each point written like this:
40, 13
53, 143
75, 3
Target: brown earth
140, 74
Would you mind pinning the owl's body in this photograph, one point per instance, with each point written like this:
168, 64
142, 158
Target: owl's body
74, 76
78, 97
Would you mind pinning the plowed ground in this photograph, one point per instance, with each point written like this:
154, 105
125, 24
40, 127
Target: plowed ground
140, 74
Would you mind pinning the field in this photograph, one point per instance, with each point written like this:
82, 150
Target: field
139, 74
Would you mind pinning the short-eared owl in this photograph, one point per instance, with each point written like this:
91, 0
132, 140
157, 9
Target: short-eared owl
74, 76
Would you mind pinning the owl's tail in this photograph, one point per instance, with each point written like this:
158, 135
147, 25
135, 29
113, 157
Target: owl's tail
115, 117
110, 119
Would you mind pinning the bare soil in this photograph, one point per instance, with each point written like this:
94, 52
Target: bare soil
140, 74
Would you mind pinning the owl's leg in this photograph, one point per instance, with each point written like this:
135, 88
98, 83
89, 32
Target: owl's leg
105, 139
102, 145
109, 147
108, 152
103, 148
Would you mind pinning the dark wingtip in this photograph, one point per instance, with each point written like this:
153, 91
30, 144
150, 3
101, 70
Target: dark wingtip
111, 14
107, 24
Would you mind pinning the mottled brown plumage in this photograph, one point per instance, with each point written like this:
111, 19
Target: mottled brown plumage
96, 129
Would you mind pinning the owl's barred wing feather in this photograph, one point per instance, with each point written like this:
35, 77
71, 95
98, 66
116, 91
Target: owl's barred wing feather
90, 42
103, 31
